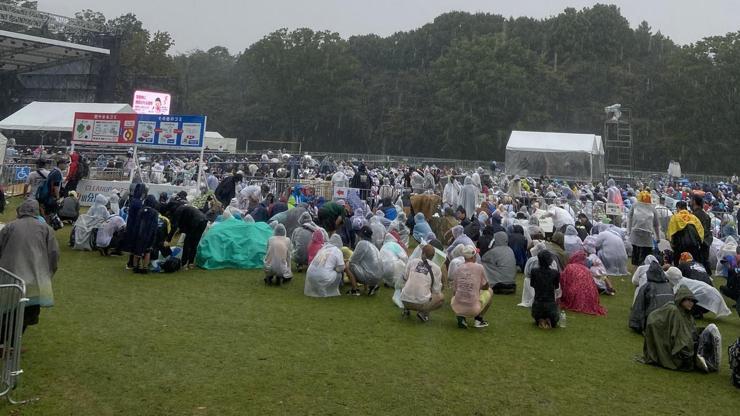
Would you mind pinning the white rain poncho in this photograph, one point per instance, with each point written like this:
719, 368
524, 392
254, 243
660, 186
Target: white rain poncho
106, 231
456, 261
301, 238
429, 182
339, 180
417, 183
469, 197
115, 202
475, 178
399, 225
458, 233
379, 232
612, 251
643, 225
365, 263
324, 274
249, 197
706, 296
729, 248
573, 242
277, 260
451, 194
393, 261
639, 277
533, 263
83, 231
98, 209
560, 217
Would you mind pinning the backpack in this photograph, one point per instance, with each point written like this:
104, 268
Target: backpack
42, 192
734, 357
171, 265
83, 169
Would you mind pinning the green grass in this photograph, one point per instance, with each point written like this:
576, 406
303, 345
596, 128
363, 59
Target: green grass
221, 343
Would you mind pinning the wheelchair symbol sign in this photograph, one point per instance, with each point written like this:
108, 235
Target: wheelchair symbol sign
21, 173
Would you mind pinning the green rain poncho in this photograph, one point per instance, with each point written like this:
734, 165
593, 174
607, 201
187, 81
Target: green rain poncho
669, 335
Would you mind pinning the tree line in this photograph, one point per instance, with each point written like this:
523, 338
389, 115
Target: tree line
455, 87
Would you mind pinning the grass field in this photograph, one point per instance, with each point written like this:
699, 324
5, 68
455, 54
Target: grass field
221, 343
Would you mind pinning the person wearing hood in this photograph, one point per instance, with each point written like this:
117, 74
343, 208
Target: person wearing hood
361, 180
612, 252
459, 238
685, 232
417, 182
146, 235
643, 227
500, 265
98, 209
188, 220
545, 282
485, 242
655, 293
70, 209
732, 288
135, 204
639, 277
445, 225
277, 259
671, 339
556, 246
73, 173
469, 197
421, 227
301, 239
572, 241
422, 291
29, 249
324, 274
560, 217
518, 243
364, 264
614, 196
451, 193
379, 230
579, 290
708, 299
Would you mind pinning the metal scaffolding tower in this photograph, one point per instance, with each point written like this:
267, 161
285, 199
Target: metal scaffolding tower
618, 138
54, 23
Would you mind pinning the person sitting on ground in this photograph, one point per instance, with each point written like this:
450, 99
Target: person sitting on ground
518, 244
399, 225
732, 288
500, 265
422, 291
301, 240
611, 250
458, 233
364, 264
471, 294
671, 339
324, 273
708, 299
545, 281
693, 270
655, 293
70, 210
579, 290
421, 227
556, 246
98, 209
572, 241
277, 260
110, 236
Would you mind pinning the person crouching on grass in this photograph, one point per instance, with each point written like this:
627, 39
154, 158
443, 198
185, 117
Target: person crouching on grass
471, 294
423, 289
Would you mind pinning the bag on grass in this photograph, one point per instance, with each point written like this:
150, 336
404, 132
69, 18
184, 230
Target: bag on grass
171, 265
734, 352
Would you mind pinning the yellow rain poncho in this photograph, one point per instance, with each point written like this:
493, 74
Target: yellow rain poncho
680, 220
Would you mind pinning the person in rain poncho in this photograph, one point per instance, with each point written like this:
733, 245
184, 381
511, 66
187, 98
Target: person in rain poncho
708, 299
639, 277
145, 235
500, 265
301, 239
518, 243
109, 236
421, 227
515, 187
277, 259
115, 201
135, 204
655, 293
378, 231
611, 250
685, 232
29, 249
671, 339
98, 209
643, 227
417, 182
249, 198
545, 282
614, 196
459, 238
469, 197
579, 291
324, 274
339, 180
422, 291
70, 209
556, 246
318, 240
429, 182
475, 179
393, 260
560, 217
451, 193
364, 264
399, 225
457, 259
572, 241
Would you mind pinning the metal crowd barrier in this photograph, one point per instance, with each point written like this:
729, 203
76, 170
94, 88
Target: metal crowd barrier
13, 178
284, 186
12, 303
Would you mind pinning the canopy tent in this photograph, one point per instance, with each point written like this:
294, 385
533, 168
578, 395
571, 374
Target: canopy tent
52, 116
214, 139
562, 155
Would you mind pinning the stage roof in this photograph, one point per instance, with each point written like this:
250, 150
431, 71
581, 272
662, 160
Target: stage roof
23, 53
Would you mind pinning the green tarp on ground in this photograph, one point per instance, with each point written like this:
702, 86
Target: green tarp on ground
234, 244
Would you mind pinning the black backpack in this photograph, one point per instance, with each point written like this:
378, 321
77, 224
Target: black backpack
83, 169
171, 265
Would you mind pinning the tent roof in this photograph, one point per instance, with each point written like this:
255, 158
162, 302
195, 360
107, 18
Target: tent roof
536, 141
213, 135
21, 52
52, 116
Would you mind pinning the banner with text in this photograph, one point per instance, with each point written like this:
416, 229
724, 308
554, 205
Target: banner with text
104, 129
88, 189
170, 131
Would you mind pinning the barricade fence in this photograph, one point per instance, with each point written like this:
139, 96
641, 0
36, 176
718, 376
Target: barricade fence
13, 178
12, 305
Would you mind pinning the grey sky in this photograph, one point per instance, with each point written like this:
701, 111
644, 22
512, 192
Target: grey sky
237, 24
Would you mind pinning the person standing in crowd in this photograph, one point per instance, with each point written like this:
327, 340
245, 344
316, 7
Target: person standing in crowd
697, 208
135, 204
226, 190
35, 178
49, 203
643, 228
614, 196
471, 295
146, 235
190, 221
685, 233
73, 173
29, 249
422, 291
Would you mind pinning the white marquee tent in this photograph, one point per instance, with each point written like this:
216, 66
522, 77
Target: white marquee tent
52, 116
214, 139
560, 155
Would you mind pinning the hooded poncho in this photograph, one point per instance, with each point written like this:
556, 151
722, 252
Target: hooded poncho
670, 332
612, 252
421, 227
98, 209
706, 296
365, 263
277, 259
643, 225
499, 262
469, 197
572, 241
655, 293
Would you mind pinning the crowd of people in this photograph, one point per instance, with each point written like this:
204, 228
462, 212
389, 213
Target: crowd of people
416, 233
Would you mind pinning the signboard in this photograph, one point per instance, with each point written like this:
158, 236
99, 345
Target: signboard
88, 189
341, 192
22, 172
170, 131
613, 209
104, 128
150, 102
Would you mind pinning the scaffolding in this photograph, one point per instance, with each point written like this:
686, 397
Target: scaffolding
618, 138
54, 23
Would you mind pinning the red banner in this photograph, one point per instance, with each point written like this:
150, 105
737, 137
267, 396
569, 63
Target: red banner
104, 128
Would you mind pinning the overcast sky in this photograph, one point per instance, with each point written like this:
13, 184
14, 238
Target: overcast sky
236, 24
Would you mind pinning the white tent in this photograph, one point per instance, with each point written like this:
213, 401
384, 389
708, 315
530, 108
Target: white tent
52, 116
214, 139
561, 155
